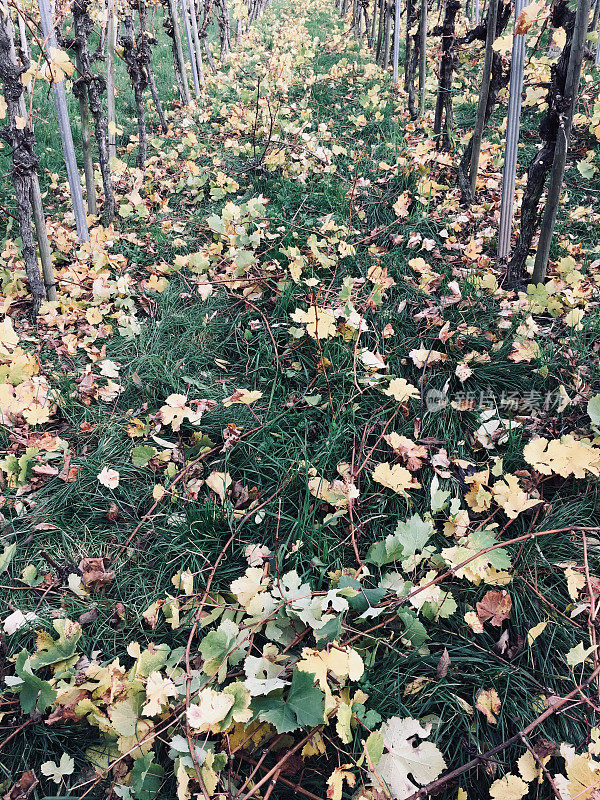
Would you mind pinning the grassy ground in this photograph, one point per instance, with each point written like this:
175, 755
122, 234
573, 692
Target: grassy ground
318, 406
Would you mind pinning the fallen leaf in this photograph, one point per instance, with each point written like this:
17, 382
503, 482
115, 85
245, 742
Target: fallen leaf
395, 477
494, 607
488, 702
109, 478
94, 573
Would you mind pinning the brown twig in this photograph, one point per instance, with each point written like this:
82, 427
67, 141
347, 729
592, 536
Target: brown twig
592, 611
542, 766
17, 731
280, 763
290, 784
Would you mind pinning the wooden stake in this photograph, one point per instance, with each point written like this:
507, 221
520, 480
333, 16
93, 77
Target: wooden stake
64, 124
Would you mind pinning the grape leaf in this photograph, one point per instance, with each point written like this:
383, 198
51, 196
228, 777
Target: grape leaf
146, 777
34, 692
410, 536
51, 651
415, 633
303, 707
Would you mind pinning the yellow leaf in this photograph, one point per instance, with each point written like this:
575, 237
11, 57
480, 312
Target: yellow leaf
401, 390
395, 477
212, 707
583, 773
158, 691
537, 630
314, 747
183, 780
219, 482
402, 204
565, 456
575, 582
158, 492
336, 780
8, 338
60, 65
511, 498
157, 284
474, 622
243, 397
488, 702
320, 322
573, 318
510, 787
529, 768
342, 727
424, 356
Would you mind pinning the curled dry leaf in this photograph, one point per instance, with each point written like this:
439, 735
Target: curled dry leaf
94, 573
443, 664
23, 787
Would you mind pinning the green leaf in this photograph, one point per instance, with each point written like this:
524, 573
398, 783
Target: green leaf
481, 540
152, 659
30, 576
413, 534
142, 454
146, 777
378, 554
303, 707
244, 259
434, 610
586, 169
370, 719
34, 692
215, 648
216, 224
415, 633
51, 651
124, 717
593, 409
374, 747
6, 556
363, 599
331, 631
409, 537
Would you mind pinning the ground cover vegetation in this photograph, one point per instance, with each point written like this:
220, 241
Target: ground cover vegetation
299, 471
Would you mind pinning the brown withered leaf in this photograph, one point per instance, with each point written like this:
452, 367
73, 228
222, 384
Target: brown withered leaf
545, 747
231, 436
94, 573
443, 664
66, 712
118, 615
88, 616
494, 607
411, 453
23, 787
69, 474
